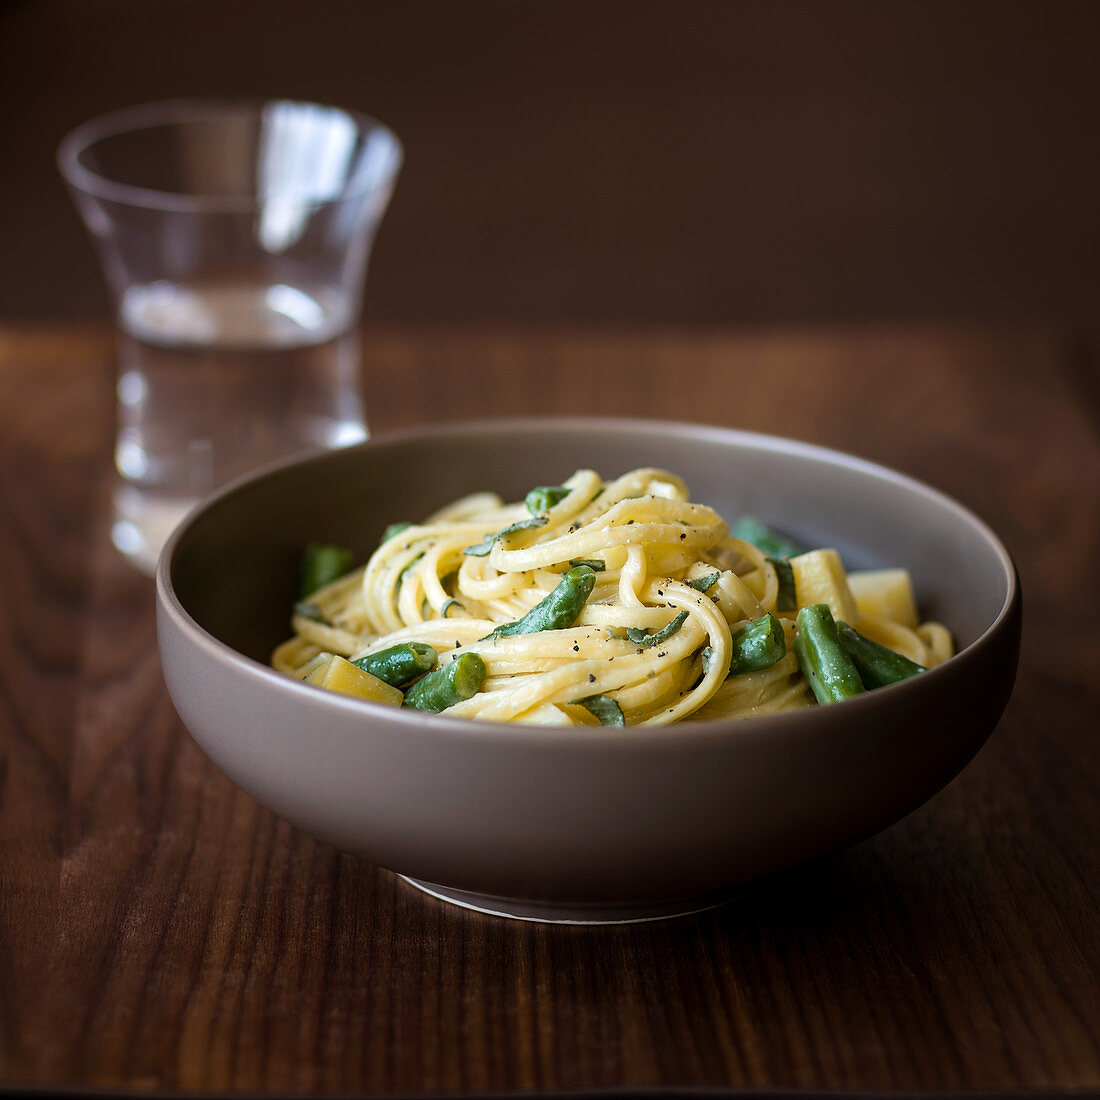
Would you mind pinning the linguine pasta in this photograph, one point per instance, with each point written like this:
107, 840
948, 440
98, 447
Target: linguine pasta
656, 638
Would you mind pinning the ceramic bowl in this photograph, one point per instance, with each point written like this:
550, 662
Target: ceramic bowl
594, 824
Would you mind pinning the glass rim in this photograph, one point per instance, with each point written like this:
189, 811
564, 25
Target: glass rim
162, 113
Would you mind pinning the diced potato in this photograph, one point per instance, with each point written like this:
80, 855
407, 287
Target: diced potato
885, 592
335, 673
819, 577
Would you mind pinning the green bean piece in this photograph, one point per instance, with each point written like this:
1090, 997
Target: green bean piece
786, 599
750, 529
408, 569
307, 609
481, 549
597, 564
542, 498
706, 582
604, 708
558, 610
828, 669
322, 564
644, 639
400, 664
708, 659
758, 645
392, 530
449, 684
876, 664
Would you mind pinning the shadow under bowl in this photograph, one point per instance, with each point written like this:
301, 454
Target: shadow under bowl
596, 824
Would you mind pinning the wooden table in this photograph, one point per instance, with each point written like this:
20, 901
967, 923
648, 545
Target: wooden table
159, 931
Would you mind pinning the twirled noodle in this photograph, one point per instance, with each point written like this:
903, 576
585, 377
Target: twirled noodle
672, 588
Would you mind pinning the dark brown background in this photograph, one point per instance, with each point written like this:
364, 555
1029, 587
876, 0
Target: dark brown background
616, 162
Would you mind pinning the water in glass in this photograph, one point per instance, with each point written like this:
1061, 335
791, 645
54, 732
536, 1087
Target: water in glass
216, 379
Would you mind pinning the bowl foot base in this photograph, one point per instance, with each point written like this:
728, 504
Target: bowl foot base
555, 913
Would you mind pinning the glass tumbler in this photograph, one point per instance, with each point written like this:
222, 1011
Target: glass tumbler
234, 237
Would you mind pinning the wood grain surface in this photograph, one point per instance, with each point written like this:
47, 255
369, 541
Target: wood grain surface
159, 931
